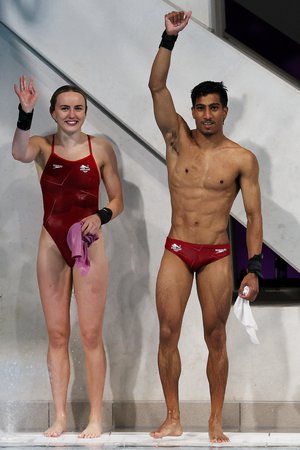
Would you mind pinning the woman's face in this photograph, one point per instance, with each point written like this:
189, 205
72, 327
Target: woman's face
69, 111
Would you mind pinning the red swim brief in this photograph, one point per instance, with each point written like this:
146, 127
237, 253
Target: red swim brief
196, 255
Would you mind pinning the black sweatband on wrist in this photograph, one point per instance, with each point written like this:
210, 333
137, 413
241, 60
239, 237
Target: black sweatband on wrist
168, 40
254, 265
24, 119
105, 215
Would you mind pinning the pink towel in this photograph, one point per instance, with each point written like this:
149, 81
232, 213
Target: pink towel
78, 244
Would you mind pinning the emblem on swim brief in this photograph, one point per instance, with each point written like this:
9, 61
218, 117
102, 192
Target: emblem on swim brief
57, 166
220, 250
84, 168
176, 248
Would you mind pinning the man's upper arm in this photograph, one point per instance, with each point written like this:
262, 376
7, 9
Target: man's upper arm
165, 114
252, 203
250, 185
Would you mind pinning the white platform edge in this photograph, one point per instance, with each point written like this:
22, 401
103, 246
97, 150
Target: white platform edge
142, 439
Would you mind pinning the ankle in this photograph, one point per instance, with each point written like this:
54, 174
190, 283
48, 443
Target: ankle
215, 418
94, 418
61, 415
174, 414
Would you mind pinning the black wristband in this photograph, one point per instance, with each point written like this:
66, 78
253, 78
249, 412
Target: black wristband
105, 215
168, 40
24, 119
254, 265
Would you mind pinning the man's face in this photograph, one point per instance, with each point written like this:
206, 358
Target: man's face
209, 114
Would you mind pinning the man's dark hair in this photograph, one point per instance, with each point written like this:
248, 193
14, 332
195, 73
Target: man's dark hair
210, 87
66, 88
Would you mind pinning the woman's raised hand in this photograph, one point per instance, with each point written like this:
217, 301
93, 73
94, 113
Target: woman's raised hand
26, 94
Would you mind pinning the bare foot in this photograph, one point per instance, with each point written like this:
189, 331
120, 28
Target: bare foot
215, 432
93, 430
57, 428
170, 427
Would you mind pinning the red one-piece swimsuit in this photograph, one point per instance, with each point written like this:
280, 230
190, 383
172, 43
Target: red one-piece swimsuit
70, 192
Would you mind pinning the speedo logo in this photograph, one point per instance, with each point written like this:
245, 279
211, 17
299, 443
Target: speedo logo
220, 250
56, 166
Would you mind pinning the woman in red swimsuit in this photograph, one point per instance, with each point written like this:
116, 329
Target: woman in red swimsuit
70, 165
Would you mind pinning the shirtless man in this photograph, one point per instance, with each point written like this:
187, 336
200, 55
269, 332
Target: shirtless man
70, 166
205, 172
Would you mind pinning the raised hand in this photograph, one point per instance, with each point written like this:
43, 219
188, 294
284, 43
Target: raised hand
27, 95
176, 21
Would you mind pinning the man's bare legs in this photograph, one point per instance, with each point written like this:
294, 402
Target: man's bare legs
54, 279
214, 284
90, 293
173, 288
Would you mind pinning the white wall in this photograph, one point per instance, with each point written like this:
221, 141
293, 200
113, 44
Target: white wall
111, 58
114, 67
202, 11
134, 244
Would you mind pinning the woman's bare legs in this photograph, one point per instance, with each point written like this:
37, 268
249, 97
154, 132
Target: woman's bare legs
54, 279
90, 293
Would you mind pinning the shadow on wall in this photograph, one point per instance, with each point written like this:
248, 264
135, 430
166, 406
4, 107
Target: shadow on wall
23, 367
267, 323
274, 216
24, 325
126, 244
127, 249
297, 386
30, 11
236, 108
272, 332
20, 228
129, 256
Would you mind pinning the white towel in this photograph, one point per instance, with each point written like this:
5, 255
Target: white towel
244, 314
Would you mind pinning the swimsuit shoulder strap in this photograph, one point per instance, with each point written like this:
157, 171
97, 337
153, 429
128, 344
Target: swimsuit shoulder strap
90, 143
52, 145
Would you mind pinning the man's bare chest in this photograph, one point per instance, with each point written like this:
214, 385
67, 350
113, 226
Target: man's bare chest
212, 173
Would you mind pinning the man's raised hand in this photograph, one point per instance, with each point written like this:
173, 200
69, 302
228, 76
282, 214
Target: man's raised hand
176, 21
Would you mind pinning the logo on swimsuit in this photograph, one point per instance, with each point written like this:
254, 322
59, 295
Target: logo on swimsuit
84, 168
176, 247
56, 166
220, 250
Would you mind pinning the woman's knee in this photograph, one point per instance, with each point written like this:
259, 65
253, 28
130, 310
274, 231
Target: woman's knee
59, 339
91, 339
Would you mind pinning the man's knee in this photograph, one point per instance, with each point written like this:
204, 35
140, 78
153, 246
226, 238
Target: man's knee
169, 336
215, 337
